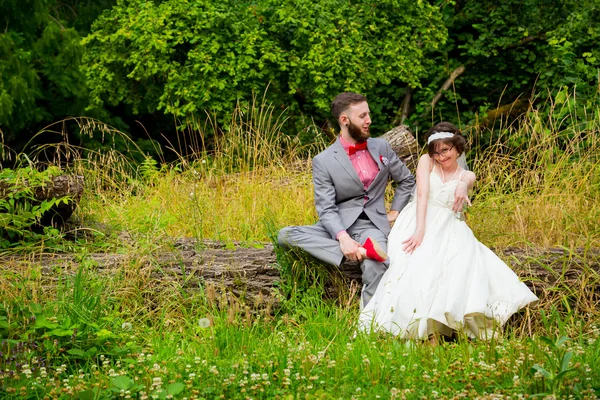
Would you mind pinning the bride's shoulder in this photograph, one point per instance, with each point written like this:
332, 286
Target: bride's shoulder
425, 161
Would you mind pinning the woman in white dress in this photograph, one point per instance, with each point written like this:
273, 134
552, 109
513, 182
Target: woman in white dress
441, 279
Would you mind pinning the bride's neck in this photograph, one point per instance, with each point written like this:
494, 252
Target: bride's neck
451, 168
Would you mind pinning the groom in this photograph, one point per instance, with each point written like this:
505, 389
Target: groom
350, 178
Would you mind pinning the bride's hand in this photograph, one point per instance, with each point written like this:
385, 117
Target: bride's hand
411, 244
461, 197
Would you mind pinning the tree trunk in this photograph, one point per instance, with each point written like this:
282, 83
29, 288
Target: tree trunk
252, 272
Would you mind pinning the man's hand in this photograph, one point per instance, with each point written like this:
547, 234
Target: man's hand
392, 215
461, 197
350, 248
411, 244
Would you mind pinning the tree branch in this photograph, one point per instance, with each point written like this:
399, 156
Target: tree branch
403, 111
526, 40
455, 74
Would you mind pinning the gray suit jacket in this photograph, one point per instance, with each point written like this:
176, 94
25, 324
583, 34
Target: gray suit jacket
340, 195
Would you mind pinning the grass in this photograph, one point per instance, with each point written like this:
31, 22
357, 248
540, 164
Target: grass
79, 332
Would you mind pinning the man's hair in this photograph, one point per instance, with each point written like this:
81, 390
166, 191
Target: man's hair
344, 100
458, 140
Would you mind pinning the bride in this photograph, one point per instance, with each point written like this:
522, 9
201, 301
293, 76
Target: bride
441, 279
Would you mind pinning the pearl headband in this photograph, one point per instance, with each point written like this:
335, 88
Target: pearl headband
439, 135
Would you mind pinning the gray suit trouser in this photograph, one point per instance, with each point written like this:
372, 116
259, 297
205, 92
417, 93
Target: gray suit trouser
316, 241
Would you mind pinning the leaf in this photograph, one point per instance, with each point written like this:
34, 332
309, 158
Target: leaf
42, 322
91, 351
175, 388
566, 360
122, 382
542, 371
562, 341
548, 341
87, 394
76, 352
59, 332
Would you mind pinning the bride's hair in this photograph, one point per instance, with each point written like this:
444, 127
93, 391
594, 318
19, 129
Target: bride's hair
458, 141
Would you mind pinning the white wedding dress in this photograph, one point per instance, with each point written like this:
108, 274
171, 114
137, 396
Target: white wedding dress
450, 282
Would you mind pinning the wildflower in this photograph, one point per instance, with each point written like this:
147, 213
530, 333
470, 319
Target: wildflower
157, 382
27, 371
126, 326
204, 323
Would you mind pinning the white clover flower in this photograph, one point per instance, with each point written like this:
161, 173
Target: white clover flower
204, 323
126, 326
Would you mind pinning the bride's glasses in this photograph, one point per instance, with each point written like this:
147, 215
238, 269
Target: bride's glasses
444, 152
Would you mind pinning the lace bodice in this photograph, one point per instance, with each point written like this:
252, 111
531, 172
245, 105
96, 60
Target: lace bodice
441, 194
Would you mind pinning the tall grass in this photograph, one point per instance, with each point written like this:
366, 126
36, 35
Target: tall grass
153, 339
81, 333
537, 185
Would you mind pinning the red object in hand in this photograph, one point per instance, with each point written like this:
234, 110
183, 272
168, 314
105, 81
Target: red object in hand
374, 250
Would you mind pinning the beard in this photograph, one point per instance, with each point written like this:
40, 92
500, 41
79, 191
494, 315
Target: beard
356, 132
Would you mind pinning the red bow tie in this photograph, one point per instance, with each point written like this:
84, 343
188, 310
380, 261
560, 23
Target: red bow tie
357, 147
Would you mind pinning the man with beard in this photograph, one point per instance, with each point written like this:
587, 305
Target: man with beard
350, 178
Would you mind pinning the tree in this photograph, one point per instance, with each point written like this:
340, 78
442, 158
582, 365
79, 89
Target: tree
40, 55
511, 50
186, 56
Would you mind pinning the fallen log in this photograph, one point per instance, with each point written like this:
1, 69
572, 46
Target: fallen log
69, 186
252, 271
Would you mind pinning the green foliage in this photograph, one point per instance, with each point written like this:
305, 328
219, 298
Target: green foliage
184, 57
20, 211
41, 79
72, 330
528, 50
558, 362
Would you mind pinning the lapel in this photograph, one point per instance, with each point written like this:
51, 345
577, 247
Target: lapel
340, 155
375, 154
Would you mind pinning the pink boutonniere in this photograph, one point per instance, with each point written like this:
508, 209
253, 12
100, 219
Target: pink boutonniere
384, 160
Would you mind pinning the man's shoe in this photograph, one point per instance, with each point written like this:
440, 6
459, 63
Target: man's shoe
374, 250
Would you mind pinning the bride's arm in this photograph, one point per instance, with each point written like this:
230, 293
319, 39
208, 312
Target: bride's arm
461, 194
423, 170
